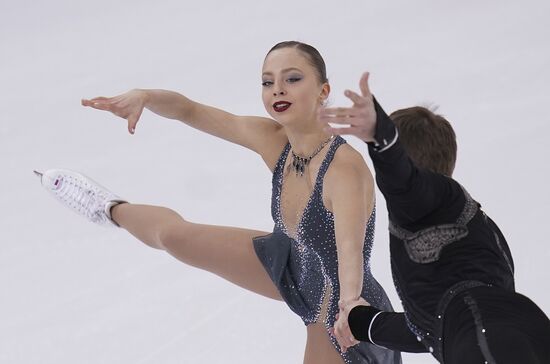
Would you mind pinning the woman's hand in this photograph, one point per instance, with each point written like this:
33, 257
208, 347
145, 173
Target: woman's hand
360, 118
128, 106
341, 330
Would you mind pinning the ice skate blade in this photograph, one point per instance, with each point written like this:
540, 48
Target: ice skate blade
38, 174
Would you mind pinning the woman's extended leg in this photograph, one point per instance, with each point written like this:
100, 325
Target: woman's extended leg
319, 348
225, 251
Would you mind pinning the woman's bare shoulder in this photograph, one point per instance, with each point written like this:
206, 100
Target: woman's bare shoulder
348, 158
348, 168
274, 146
348, 175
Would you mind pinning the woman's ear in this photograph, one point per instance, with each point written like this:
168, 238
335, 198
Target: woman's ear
325, 91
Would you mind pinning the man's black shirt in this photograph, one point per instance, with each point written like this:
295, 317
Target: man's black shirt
428, 207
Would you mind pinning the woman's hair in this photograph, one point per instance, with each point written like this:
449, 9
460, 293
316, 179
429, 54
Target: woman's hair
428, 139
312, 54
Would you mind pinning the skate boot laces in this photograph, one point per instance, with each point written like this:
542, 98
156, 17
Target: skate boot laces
81, 194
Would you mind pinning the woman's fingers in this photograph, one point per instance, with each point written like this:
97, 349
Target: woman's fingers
99, 103
101, 98
102, 106
333, 333
348, 340
86, 102
343, 341
111, 105
124, 106
132, 122
342, 345
342, 333
114, 105
131, 127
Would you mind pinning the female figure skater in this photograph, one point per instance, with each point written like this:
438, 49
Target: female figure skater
322, 203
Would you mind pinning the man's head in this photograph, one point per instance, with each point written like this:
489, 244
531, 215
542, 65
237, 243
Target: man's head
428, 139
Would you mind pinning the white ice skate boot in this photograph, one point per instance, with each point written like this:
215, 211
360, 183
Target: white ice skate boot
81, 194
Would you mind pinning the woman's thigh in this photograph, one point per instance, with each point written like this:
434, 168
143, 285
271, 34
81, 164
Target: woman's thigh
225, 251
319, 347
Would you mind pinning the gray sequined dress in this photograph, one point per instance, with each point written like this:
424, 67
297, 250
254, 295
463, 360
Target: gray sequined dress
305, 269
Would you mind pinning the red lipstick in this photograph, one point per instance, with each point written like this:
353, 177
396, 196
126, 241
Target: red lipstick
281, 106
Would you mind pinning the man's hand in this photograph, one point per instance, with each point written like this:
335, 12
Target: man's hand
360, 118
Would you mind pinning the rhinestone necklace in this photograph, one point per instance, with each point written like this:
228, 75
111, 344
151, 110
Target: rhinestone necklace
299, 164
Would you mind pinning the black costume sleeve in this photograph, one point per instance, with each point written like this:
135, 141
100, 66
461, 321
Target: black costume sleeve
386, 329
411, 193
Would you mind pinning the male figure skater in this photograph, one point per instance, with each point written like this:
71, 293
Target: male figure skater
451, 264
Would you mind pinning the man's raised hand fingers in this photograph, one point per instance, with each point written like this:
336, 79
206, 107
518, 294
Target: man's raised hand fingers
338, 111
349, 120
355, 97
338, 115
364, 85
351, 130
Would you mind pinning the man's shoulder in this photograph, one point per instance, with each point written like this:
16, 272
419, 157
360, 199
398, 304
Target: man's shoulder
453, 198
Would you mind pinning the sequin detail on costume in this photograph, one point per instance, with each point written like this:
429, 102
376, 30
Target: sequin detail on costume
425, 246
304, 267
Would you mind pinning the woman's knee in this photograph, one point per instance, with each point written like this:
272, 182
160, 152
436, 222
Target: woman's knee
172, 231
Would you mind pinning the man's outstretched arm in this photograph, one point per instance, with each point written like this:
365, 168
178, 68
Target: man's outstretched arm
411, 193
385, 329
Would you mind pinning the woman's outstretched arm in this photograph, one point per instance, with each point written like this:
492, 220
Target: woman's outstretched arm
350, 188
262, 135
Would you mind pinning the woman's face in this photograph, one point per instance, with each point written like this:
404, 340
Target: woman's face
291, 90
